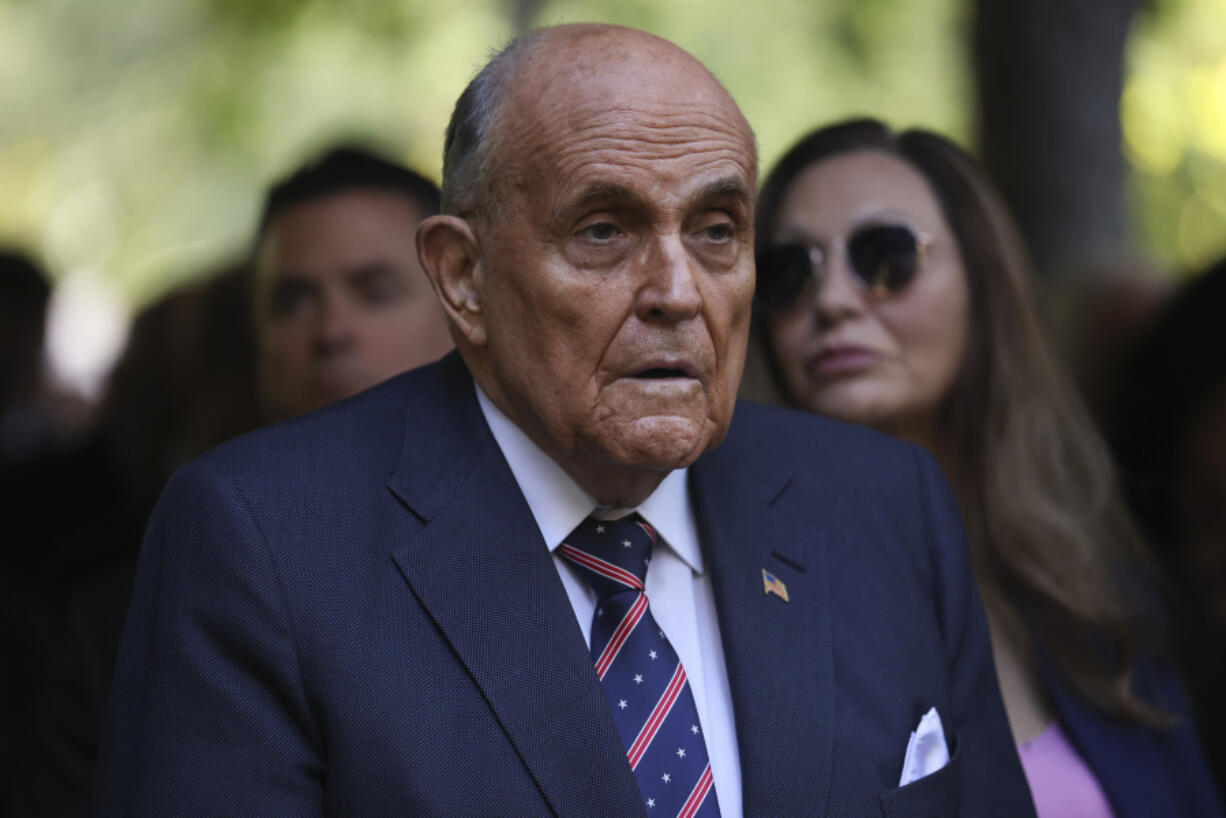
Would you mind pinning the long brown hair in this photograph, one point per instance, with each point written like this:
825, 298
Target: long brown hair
1053, 548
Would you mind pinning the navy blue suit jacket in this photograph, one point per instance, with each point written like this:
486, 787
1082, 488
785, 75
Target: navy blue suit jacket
354, 613
1144, 771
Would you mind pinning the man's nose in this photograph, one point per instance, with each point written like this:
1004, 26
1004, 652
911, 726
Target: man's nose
837, 296
335, 326
671, 289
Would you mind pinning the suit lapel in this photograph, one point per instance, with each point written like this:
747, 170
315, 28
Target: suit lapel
779, 654
482, 571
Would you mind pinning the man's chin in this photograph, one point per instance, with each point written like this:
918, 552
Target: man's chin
330, 389
660, 442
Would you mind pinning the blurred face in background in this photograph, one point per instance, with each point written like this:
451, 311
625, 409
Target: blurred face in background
885, 356
341, 301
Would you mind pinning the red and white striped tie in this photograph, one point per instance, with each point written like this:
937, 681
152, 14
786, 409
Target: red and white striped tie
644, 682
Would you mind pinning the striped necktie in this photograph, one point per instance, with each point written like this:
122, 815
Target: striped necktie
642, 677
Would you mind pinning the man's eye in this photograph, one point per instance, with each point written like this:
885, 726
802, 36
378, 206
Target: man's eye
600, 231
381, 287
288, 299
721, 231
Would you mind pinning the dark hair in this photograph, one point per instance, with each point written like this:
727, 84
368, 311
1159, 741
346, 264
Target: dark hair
25, 293
1052, 544
469, 184
1170, 378
22, 282
343, 169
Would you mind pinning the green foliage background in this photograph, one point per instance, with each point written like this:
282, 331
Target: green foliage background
136, 135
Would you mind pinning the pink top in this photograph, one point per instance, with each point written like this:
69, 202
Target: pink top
1060, 782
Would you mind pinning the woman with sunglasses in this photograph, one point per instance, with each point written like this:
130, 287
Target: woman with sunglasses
893, 292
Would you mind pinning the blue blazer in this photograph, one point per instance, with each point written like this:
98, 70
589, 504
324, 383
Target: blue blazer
353, 613
1144, 771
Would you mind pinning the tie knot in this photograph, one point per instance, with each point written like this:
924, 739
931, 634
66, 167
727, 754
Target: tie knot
613, 555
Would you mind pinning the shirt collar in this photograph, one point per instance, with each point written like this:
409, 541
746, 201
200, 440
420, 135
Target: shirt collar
559, 504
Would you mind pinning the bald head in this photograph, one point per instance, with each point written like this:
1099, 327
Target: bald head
541, 77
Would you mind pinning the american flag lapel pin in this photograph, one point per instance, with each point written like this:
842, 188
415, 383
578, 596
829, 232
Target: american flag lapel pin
771, 584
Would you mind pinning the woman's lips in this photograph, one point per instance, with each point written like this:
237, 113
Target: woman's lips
841, 360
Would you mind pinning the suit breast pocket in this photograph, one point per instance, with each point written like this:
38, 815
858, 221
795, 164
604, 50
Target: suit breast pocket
937, 795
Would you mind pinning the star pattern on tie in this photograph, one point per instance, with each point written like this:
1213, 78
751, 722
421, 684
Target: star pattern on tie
643, 680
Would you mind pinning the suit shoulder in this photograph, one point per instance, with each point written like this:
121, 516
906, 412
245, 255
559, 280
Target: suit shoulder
362, 423
360, 439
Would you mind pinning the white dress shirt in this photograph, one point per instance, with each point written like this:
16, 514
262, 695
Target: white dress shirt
678, 589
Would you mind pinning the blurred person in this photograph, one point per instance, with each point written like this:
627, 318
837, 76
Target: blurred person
26, 425
186, 380
184, 383
341, 301
1096, 317
1169, 431
59, 504
25, 432
893, 291
433, 598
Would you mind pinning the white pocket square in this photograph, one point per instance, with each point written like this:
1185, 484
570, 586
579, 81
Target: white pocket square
926, 751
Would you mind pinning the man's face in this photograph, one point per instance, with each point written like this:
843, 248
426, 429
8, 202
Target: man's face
341, 301
616, 280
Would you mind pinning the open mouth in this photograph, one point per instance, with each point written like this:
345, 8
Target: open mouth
661, 373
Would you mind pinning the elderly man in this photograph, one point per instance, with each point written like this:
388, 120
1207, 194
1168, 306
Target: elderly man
530, 579
341, 302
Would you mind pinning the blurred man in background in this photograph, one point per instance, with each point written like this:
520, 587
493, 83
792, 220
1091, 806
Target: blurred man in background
341, 302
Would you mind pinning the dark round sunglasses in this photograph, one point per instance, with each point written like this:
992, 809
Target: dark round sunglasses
884, 258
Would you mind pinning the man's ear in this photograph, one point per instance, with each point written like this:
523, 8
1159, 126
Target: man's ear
447, 249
